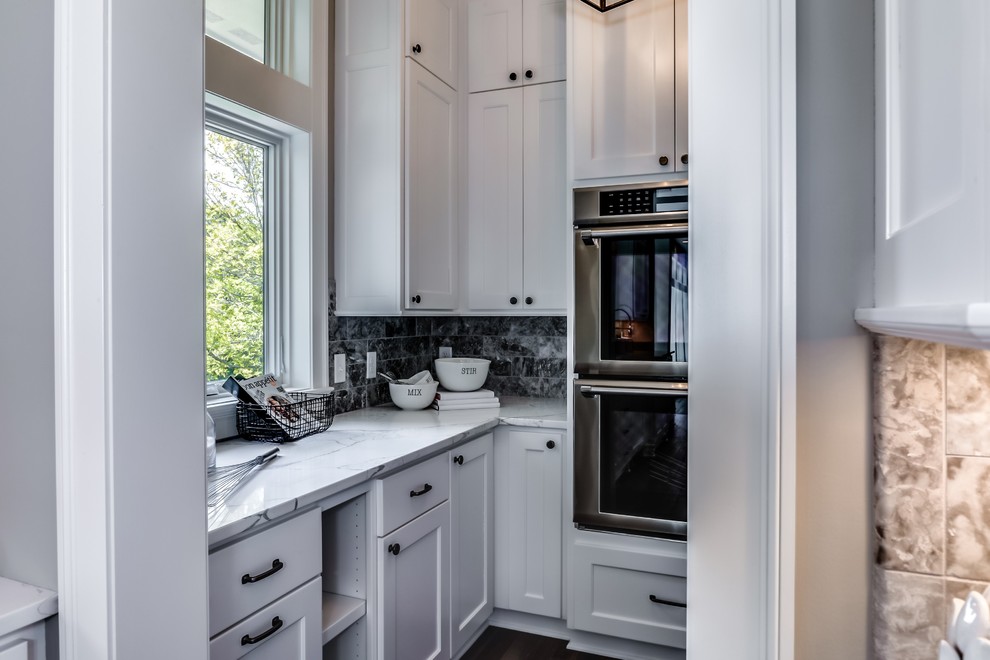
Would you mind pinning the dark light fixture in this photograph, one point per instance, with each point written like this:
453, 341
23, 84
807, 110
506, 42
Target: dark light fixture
605, 5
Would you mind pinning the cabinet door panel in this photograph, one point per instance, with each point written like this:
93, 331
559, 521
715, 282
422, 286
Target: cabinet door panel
932, 239
472, 514
528, 522
431, 190
544, 52
545, 228
494, 44
414, 622
432, 25
680, 85
624, 89
495, 213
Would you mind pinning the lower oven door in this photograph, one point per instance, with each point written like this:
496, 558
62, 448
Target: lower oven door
630, 456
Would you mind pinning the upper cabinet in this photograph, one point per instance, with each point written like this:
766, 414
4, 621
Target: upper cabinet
515, 42
395, 156
629, 89
932, 278
516, 199
431, 37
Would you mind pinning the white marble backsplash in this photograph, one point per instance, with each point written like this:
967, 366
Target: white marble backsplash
932, 489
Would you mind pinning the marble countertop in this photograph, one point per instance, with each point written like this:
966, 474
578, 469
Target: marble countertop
23, 604
358, 446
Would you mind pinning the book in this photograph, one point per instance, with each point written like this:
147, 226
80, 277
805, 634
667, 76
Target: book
466, 405
447, 395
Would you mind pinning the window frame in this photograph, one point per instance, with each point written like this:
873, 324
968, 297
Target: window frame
246, 96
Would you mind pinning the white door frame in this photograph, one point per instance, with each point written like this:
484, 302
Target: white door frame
132, 550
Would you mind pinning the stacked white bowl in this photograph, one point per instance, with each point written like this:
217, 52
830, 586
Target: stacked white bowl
462, 374
967, 629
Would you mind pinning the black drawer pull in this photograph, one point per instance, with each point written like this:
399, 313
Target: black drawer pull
416, 493
247, 639
459, 459
551, 444
394, 548
660, 601
277, 565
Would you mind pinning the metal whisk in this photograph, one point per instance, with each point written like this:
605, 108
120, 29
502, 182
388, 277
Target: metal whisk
222, 481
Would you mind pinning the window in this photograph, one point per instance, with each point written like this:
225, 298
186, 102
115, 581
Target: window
265, 187
236, 227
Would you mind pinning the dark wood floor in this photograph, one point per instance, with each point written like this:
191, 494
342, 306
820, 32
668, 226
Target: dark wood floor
502, 644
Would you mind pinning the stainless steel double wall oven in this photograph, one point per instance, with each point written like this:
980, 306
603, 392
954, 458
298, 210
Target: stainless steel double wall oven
631, 357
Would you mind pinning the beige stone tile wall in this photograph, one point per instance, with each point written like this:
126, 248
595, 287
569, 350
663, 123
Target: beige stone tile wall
932, 489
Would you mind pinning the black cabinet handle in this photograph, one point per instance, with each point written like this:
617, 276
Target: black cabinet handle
551, 444
529, 300
247, 639
417, 49
664, 160
684, 159
416, 493
277, 565
417, 298
513, 300
459, 460
394, 548
529, 73
660, 601
513, 76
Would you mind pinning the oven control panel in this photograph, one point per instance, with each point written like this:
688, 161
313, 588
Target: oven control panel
638, 201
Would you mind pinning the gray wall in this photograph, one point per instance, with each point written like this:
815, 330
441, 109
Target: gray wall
27, 426
835, 181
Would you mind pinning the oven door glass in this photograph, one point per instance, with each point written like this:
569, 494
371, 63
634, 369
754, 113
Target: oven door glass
630, 456
644, 299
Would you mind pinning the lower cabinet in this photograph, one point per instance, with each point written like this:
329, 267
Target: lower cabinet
414, 619
472, 544
288, 629
630, 587
528, 520
27, 643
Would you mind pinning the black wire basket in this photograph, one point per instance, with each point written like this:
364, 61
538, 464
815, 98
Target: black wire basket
306, 415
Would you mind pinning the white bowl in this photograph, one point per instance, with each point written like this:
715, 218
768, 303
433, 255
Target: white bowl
413, 397
462, 374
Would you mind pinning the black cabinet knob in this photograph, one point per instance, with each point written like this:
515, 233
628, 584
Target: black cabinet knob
417, 49
394, 548
513, 300
417, 298
684, 159
459, 460
513, 76
664, 160
529, 300
529, 73
551, 444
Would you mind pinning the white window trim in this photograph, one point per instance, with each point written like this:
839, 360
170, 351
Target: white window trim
241, 91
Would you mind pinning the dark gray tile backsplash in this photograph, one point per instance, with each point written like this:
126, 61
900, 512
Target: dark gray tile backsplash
528, 353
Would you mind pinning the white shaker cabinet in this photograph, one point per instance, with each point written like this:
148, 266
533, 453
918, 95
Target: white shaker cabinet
932, 279
27, 643
528, 520
431, 36
624, 90
515, 42
395, 160
431, 190
472, 545
414, 605
517, 225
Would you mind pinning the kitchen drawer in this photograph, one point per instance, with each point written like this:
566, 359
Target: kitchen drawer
294, 620
401, 497
616, 589
290, 552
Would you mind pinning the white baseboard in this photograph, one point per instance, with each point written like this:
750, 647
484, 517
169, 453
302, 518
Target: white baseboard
577, 640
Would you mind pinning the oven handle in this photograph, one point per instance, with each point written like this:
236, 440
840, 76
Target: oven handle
592, 391
589, 235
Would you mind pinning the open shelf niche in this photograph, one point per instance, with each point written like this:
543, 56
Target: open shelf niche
345, 580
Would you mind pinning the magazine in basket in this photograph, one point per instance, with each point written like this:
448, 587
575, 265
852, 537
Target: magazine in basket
265, 391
